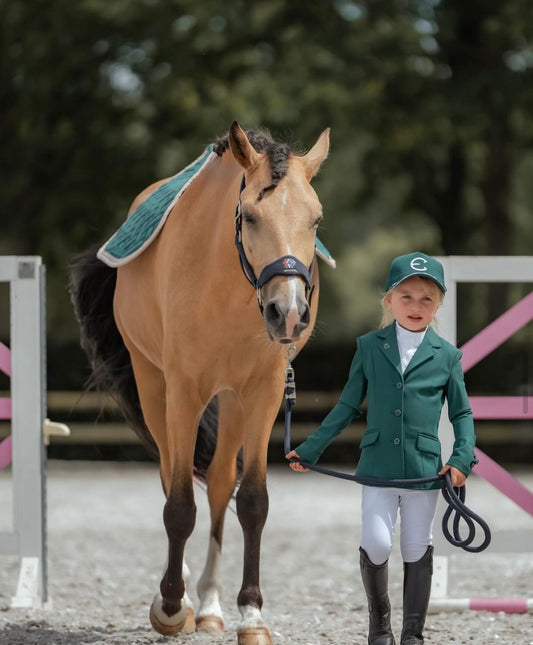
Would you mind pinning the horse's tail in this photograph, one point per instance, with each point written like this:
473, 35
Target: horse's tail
92, 286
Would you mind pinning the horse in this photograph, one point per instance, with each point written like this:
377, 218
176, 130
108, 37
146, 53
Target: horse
193, 345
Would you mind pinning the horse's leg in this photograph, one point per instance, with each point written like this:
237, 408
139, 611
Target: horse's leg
171, 610
221, 479
260, 408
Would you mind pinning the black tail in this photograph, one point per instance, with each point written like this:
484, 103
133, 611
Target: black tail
92, 286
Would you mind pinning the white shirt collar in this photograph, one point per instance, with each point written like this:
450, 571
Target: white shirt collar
408, 343
411, 337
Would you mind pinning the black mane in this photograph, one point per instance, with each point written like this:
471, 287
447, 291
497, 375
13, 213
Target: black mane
277, 154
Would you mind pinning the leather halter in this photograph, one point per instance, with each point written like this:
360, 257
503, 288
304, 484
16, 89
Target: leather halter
287, 265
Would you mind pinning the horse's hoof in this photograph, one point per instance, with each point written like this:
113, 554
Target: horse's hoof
190, 622
254, 636
209, 624
168, 629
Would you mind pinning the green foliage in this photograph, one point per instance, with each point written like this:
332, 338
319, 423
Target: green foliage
429, 102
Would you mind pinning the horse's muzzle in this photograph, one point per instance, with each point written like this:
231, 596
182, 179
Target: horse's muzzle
285, 323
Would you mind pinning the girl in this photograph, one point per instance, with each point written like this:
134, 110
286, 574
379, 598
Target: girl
405, 371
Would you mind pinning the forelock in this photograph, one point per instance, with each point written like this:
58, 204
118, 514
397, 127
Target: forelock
278, 155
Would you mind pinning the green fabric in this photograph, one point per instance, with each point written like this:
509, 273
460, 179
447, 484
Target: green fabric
323, 252
415, 264
401, 437
142, 223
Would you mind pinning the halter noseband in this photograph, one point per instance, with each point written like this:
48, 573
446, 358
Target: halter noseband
286, 265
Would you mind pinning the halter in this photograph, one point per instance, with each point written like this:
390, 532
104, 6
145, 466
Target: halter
286, 265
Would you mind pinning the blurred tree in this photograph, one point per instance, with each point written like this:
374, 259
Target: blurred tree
457, 122
429, 103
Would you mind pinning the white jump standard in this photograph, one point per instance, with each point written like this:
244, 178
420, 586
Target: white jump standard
26, 276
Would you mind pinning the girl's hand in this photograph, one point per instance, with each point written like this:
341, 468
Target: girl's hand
294, 464
457, 478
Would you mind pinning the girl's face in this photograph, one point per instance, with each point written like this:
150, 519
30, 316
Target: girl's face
414, 303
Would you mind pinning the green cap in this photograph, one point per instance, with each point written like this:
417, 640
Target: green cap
415, 264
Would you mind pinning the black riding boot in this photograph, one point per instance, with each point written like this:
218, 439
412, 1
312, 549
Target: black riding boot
416, 590
375, 581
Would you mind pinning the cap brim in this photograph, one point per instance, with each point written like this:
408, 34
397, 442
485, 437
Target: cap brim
417, 274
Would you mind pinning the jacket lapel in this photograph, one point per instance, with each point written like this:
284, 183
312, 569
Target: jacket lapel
427, 349
389, 346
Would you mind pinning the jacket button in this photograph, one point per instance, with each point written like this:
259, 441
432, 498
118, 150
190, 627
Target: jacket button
386, 345
399, 385
396, 441
398, 413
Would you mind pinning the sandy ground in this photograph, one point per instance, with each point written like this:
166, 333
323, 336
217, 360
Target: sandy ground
106, 547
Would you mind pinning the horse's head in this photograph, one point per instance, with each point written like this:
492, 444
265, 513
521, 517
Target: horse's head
277, 220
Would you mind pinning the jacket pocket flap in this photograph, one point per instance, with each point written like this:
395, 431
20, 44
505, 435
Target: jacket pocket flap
428, 444
369, 438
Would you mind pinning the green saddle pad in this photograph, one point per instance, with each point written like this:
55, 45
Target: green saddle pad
144, 224
147, 220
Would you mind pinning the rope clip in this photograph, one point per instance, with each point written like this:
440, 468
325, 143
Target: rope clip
290, 385
291, 353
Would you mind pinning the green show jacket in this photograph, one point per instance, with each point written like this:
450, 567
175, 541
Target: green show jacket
401, 437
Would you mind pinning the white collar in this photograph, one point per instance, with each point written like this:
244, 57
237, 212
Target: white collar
412, 338
408, 343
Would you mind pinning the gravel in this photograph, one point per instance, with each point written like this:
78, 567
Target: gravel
107, 545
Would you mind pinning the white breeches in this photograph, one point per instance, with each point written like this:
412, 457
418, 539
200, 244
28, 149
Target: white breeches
379, 514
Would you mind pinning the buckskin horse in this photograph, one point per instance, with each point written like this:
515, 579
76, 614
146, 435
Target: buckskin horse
189, 349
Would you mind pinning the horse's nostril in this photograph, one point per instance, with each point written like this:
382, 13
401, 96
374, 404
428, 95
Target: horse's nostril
305, 317
273, 313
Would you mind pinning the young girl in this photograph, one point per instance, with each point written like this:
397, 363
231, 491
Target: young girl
405, 371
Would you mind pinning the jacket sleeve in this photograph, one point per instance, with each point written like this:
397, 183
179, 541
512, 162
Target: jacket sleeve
347, 409
460, 415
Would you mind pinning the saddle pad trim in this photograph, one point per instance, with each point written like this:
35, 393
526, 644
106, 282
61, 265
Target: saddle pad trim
125, 244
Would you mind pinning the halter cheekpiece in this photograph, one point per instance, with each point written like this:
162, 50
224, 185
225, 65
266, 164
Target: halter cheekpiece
286, 265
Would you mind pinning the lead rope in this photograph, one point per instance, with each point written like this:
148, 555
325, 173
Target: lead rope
454, 496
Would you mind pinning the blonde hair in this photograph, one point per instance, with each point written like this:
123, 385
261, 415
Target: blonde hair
387, 317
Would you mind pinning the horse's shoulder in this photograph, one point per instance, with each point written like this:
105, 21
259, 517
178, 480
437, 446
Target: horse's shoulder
142, 196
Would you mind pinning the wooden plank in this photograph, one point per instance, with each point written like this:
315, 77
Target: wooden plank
118, 433
82, 402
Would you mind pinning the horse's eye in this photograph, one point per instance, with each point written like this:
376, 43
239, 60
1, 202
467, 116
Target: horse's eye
249, 219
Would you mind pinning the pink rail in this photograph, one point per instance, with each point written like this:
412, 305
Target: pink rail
497, 332
504, 407
492, 472
6, 446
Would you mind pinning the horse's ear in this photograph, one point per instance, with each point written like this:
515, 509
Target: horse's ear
317, 154
243, 151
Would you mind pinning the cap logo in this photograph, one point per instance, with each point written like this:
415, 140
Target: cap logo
418, 264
